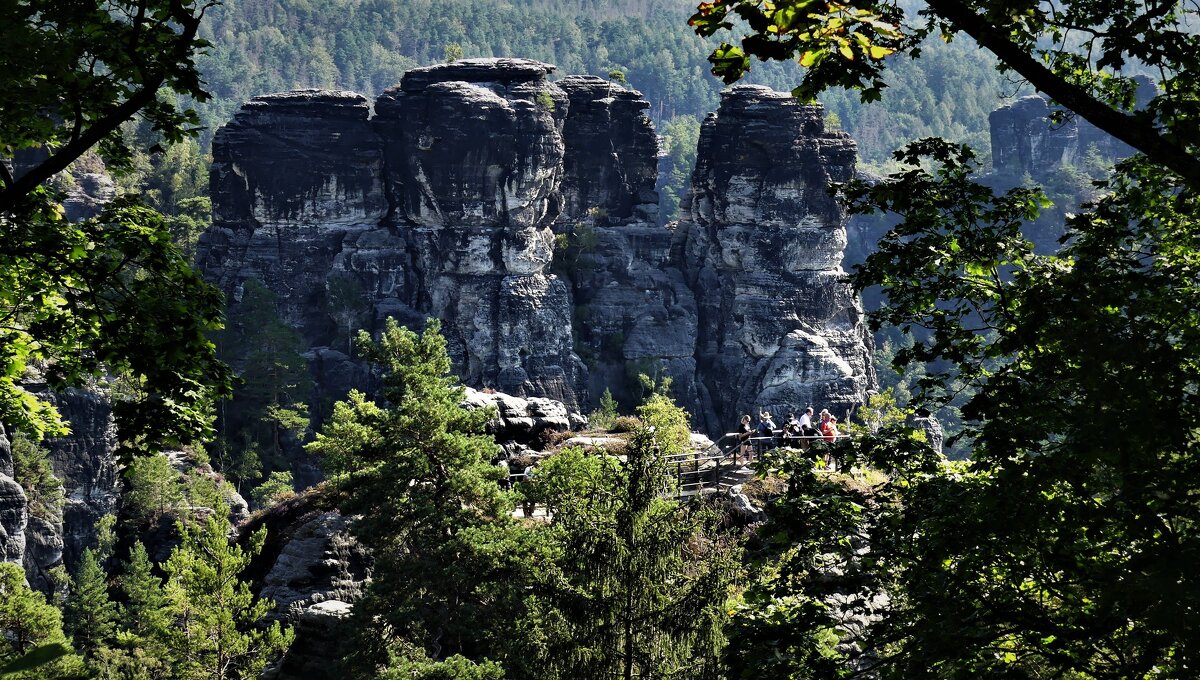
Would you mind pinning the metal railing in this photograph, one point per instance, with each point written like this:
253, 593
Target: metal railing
698, 470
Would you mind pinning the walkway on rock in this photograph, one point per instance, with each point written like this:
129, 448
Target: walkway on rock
717, 467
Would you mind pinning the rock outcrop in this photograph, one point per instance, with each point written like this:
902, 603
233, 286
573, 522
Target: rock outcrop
1025, 140
522, 420
14, 510
633, 311
522, 213
781, 327
84, 462
313, 570
439, 206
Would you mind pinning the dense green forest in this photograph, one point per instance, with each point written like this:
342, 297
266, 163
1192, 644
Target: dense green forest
262, 46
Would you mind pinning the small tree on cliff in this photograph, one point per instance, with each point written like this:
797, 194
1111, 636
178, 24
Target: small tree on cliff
418, 473
269, 407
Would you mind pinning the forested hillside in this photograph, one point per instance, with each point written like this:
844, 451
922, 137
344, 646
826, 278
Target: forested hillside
263, 46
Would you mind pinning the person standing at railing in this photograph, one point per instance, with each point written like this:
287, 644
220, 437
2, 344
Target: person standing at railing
792, 431
744, 434
766, 432
831, 431
807, 431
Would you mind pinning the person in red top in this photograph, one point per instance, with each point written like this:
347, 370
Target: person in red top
828, 426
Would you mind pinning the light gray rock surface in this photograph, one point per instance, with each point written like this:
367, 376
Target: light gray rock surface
319, 562
14, 512
519, 419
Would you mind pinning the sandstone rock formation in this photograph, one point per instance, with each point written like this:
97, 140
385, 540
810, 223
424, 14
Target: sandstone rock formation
14, 513
633, 310
780, 326
1026, 141
83, 461
314, 571
520, 419
522, 212
440, 206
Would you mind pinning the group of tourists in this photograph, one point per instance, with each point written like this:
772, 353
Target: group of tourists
795, 433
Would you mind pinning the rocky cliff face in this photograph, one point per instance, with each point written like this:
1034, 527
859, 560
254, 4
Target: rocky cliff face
780, 326
14, 514
633, 311
1026, 141
439, 206
522, 212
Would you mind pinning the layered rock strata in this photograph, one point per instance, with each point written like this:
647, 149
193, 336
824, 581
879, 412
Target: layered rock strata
522, 212
780, 327
634, 312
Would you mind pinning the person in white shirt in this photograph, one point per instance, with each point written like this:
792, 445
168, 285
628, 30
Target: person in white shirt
806, 419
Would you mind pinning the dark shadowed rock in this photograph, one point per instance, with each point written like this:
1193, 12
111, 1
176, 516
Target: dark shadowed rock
313, 571
633, 311
611, 159
780, 327
84, 462
294, 177
1026, 141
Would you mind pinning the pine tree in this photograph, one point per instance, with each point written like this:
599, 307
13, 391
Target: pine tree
91, 616
215, 629
448, 553
153, 488
145, 608
139, 649
269, 407
641, 579
28, 622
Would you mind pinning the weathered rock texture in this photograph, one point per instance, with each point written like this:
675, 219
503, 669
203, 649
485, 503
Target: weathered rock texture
83, 461
522, 212
780, 327
634, 312
314, 571
14, 512
521, 420
440, 206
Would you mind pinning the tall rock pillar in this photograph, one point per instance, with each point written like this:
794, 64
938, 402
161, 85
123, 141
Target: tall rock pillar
779, 326
474, 154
